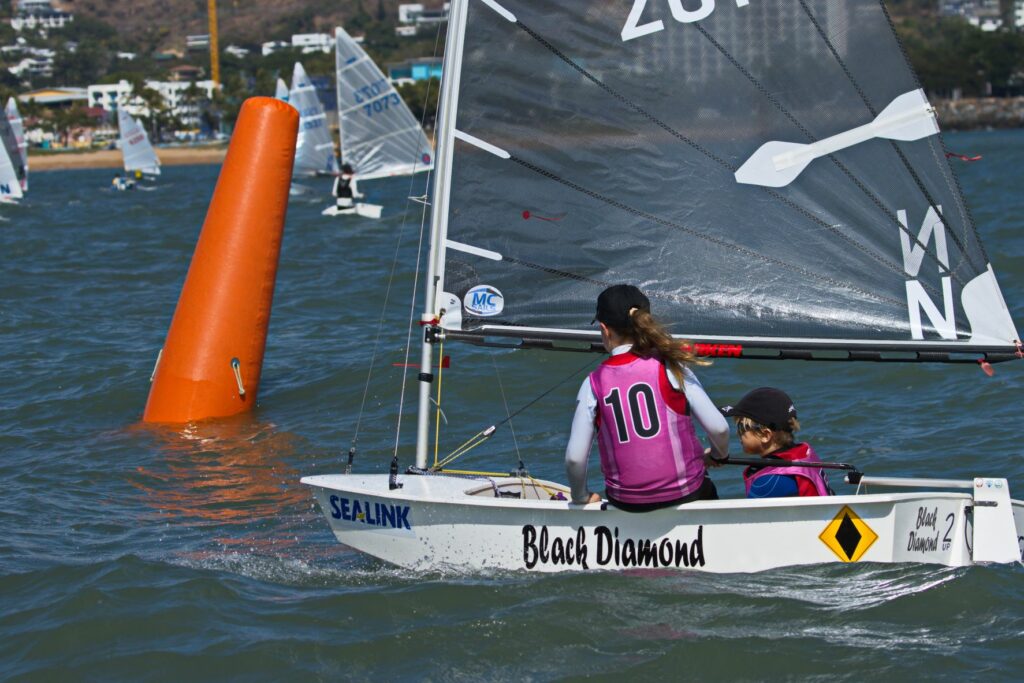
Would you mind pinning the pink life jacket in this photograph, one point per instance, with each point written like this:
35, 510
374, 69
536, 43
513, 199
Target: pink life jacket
811, 481
649, 450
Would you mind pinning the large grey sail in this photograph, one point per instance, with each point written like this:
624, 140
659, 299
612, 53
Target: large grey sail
379, 135
314, 149
605, 142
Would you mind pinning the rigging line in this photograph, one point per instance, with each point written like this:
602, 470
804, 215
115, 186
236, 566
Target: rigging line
419, 258
874, 113
696, 233
504, 399
875, 199
891, 265
486, 433
583, 367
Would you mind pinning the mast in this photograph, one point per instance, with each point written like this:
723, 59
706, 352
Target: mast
439, 209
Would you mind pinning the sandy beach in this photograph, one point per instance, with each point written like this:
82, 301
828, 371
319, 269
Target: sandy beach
111, 158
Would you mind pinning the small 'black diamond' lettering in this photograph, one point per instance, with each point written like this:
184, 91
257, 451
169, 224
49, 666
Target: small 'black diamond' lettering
848, 536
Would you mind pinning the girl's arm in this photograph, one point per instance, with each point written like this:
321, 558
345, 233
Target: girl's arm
706, 413
580, 439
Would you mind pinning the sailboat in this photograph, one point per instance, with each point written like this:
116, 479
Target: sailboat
281, 91
10, 185
314, 149
772, 176
379, 136
13, 171
138, 154
18, 129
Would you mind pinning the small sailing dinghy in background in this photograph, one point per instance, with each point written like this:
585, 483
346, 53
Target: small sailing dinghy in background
18, 131
281, 90
772, 175
138, 155
380, 138
13, 167
314, 149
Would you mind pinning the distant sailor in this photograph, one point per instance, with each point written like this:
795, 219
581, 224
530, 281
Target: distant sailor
345, 187
765, 422
122, 183
642, 402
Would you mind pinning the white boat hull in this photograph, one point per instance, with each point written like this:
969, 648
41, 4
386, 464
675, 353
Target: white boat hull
360, 209
438, 522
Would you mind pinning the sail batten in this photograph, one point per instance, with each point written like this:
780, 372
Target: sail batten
625, 144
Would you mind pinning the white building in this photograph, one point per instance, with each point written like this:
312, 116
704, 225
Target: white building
30, 66
313, 42
236, 51
197, 42
114, 96
34, 15
407, 13
273, 46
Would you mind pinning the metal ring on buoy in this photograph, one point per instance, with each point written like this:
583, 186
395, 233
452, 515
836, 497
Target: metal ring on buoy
237, 368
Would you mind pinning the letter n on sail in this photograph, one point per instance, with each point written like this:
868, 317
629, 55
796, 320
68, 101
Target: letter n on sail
943, 322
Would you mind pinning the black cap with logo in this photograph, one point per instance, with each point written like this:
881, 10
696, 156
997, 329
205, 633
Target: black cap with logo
615, 303
767, 406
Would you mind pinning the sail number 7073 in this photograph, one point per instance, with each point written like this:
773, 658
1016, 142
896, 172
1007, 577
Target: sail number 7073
634, 29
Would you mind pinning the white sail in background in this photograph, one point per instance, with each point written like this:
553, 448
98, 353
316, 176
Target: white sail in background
314, 149
14, 119
379, 135
138, 153
281, 93
10, 186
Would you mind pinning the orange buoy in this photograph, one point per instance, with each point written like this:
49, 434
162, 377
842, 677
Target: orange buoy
210, 364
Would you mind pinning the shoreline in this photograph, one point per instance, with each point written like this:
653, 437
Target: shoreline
965, 114
111, 158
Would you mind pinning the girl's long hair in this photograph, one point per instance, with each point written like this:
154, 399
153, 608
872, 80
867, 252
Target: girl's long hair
650, 338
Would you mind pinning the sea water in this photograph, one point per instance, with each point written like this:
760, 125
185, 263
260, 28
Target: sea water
130, 552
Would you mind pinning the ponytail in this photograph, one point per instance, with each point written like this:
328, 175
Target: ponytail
650, 338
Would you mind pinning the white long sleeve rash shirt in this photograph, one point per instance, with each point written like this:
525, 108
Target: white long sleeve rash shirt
581, 438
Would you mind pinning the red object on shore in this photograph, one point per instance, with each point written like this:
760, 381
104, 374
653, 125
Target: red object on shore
211, 361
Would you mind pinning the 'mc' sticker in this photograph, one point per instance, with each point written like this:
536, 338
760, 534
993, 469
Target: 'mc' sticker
484, 300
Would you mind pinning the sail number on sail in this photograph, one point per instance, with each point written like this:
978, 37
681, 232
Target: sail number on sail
633, 28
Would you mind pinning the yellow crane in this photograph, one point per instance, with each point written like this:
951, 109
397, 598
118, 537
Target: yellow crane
214, 52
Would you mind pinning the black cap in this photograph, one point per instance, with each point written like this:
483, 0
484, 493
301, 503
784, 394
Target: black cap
615, 303
767, 406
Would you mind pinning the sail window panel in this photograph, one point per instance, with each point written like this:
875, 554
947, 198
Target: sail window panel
621, 167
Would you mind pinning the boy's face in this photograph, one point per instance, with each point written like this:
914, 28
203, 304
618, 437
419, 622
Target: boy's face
755, 441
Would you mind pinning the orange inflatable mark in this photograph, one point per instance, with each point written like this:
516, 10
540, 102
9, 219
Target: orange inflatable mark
211, 362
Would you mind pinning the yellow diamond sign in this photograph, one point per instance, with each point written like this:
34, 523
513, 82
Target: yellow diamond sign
848, 536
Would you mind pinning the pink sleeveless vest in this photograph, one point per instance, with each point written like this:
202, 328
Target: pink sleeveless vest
801, 452
649, 450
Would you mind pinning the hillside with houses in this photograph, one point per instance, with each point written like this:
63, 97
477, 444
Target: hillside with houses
72, 63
